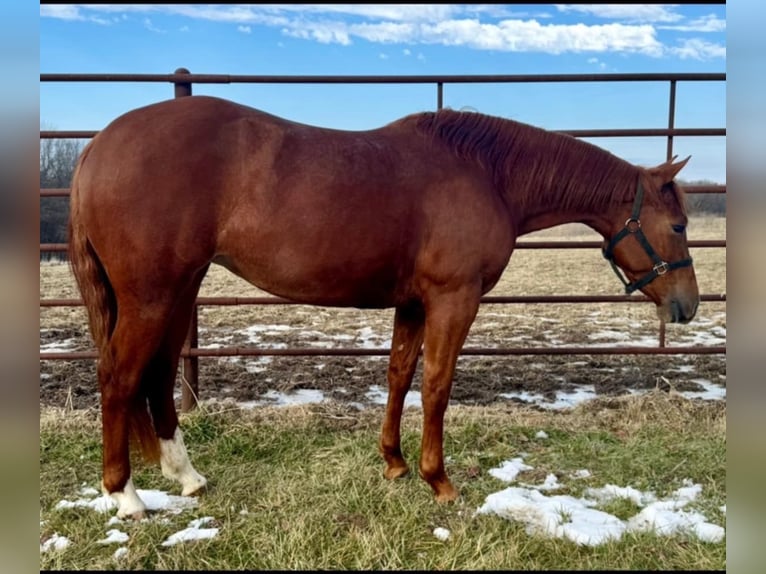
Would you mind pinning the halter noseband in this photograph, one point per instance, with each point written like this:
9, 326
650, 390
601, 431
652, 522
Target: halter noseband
633, 227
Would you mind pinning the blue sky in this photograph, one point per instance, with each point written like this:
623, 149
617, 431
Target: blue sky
404, 40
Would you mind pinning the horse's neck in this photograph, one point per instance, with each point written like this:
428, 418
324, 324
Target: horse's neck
578, 193
537, 220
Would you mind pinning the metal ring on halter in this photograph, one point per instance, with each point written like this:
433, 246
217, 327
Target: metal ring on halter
636, 224
661, 268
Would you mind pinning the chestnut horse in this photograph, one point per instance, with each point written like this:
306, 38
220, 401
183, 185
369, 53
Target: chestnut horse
420, 215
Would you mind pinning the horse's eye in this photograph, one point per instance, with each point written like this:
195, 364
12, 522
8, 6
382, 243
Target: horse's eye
679, 228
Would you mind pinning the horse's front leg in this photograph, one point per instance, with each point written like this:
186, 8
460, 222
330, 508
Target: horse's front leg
448, 319
405, 347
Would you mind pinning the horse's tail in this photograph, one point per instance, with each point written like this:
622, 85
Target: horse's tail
101, 304
91, 277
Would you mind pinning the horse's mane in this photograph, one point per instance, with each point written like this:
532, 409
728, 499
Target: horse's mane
574, 175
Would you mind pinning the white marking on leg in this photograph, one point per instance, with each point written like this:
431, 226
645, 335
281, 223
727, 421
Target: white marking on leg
128, 502
175, 464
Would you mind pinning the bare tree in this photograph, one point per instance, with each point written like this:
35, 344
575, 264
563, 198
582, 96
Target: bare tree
708, 203
57, 161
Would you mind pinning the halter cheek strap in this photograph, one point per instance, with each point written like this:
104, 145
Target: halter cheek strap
633, 227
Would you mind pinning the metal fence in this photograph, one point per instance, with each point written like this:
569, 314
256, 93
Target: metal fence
182, 80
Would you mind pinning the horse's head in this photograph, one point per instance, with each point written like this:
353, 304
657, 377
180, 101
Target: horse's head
648, 242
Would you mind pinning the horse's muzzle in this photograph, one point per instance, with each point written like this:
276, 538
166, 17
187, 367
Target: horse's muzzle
681, 311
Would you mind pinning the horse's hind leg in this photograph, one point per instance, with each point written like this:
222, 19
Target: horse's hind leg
137, 333
405, 346
159, 382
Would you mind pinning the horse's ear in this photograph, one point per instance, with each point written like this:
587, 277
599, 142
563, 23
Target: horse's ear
667, 172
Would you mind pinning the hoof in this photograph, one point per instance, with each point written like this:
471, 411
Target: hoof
136, 515
393, 472
195, 486
447, 495
443, 490
129, 505
441, 485
175, 464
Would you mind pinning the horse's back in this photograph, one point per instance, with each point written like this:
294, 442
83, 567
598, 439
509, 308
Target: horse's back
207, 149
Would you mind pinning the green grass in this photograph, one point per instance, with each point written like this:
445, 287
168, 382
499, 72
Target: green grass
310, 481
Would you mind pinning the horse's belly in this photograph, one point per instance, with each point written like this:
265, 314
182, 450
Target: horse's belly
313, 282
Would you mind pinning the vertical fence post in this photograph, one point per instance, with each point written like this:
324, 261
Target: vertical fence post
190, 365
668, 156
671, 117
190, 373
182, 88
439, 95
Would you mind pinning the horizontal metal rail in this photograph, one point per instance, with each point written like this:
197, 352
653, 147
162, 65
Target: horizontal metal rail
595, 133
702, 189
384, 352
488, 300
703, 243
188, 78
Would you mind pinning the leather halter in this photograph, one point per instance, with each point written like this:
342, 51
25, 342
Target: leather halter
633, 227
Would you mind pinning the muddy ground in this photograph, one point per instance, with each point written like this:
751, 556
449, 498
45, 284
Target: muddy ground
478, 381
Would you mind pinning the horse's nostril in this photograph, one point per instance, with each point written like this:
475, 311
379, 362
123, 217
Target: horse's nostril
677, 313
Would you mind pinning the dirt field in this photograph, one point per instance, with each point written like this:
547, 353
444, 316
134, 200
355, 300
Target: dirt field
479, 380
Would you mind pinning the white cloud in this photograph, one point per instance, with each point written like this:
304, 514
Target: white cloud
324, 33
244, 29
384, 32
709, 23
61, 11
399, 13
627, 12
698, 49
524, 36
151, 27
472, 26
501, 11
507, 35
69, 12
406, 52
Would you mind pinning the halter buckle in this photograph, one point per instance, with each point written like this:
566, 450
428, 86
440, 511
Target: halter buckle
661, 268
